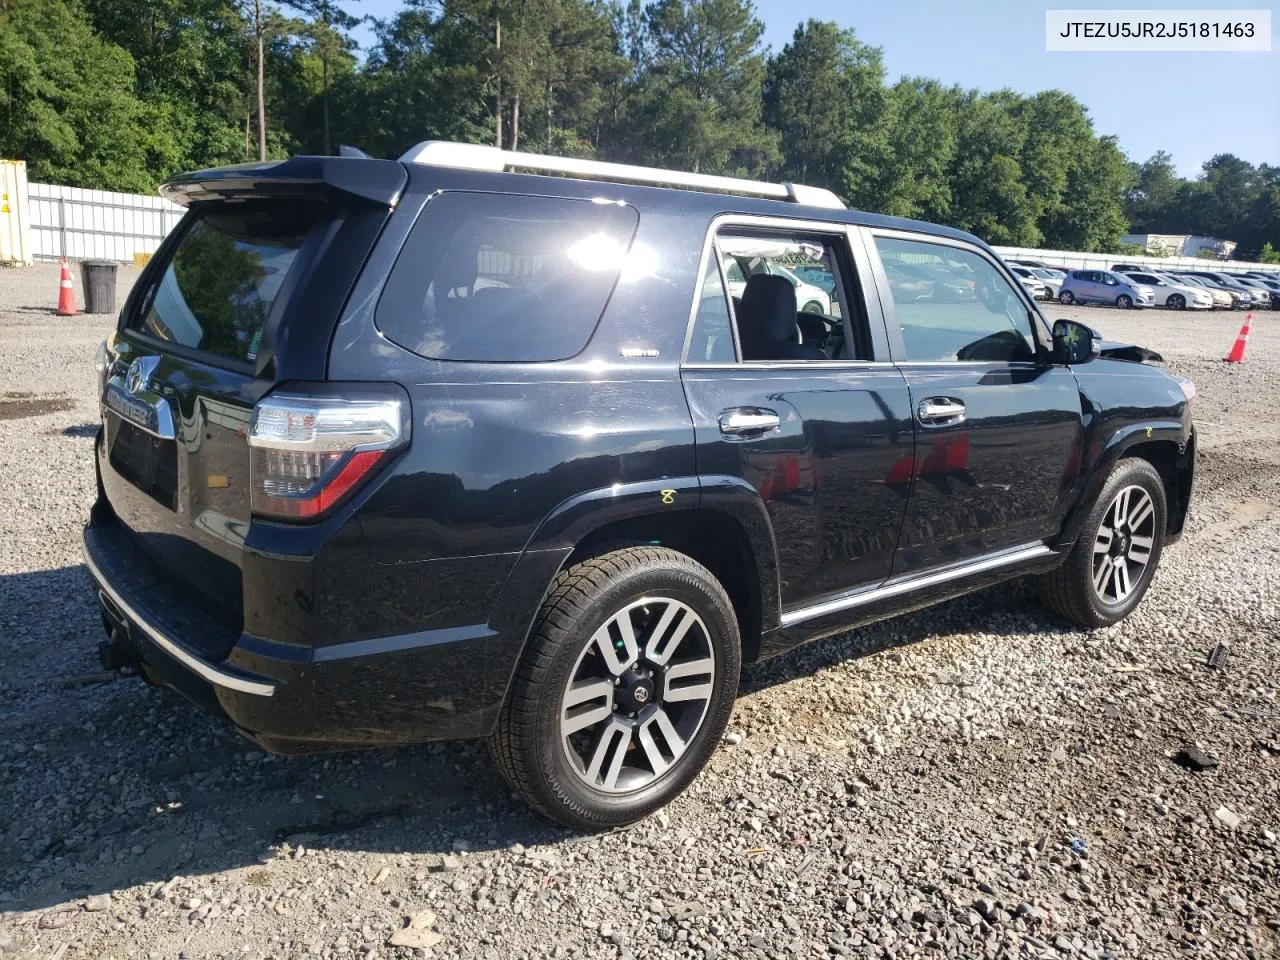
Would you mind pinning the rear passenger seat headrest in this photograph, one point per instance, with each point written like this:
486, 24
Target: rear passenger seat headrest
457, 270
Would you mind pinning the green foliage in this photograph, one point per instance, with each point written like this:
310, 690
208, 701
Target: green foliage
68, 102
825, 96
699, 102
1231, 199
1268, 253
123, 93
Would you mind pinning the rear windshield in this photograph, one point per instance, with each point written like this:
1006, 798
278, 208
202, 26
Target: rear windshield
505, 278
217, 291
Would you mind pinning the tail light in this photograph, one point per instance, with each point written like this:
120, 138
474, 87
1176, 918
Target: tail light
309, 451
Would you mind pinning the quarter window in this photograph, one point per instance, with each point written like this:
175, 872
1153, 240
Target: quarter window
953, 304
507, 278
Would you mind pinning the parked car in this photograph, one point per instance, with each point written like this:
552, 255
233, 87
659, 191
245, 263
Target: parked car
1025, 263
1052, 278
1176, 296
819, 276
1040, 288
1270, 287
1128, 268
1222, 300
475, 457
1240, 298
1253, 297
1102, 286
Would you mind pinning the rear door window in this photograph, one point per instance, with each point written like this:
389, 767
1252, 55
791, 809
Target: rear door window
496, 277
224, 279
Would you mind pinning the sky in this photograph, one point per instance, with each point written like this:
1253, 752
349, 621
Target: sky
1192, 105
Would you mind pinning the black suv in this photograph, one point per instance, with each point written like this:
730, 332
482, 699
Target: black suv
396, 451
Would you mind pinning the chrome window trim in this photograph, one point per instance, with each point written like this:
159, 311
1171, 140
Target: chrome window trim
895, 588
206, 671
792, 365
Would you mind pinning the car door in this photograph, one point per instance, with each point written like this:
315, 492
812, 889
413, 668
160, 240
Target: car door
1086, 285
820, 429
998, 426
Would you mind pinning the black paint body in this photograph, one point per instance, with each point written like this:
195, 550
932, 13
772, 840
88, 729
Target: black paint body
401, 616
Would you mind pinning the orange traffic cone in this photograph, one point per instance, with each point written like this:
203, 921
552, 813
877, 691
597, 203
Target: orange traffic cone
66, 293
1237, 352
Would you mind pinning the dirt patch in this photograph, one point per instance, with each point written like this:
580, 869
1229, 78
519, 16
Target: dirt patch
19, 406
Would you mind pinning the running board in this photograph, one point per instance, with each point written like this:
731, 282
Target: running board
896, 588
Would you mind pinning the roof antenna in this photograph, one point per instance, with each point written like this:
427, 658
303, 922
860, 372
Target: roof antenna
346, 151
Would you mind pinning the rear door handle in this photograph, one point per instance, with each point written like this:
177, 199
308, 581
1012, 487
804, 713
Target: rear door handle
746, 423
940, 411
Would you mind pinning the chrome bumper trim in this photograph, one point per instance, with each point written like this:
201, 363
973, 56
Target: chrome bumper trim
205, 671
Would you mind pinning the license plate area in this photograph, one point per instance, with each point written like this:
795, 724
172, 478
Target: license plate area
146, 461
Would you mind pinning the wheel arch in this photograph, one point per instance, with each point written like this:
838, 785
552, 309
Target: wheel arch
1166, 448
721, 522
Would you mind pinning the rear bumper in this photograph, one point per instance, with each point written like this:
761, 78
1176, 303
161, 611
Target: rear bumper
432, 685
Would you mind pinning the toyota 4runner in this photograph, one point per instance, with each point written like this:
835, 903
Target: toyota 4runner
396, 451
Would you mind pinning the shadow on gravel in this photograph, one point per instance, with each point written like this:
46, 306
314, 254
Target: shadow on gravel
89, 430
1007, 609
111, 783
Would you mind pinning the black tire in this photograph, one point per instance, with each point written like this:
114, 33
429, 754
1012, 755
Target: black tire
1066, 297
1069, 590
1176, 301
813, 306
527, 744
1124, 301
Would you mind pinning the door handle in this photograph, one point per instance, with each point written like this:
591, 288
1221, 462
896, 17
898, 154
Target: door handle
744, 423
940, 411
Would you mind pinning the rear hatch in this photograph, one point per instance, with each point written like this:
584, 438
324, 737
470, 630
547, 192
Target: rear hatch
243, 296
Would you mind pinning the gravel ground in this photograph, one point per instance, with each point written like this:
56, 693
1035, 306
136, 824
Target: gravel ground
975, 780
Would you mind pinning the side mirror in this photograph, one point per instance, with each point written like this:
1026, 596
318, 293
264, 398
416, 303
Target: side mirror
1074, 342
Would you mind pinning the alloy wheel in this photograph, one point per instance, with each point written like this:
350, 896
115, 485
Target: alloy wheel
1122, 547
638, 695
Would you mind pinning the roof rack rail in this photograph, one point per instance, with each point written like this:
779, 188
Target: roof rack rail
478, 156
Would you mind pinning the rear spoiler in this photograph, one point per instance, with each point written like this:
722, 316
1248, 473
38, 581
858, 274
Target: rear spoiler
379, 181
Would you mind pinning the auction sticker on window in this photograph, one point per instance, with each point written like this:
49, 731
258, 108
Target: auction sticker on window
1136, 31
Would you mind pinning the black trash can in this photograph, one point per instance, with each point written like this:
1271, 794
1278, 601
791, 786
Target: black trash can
98, 279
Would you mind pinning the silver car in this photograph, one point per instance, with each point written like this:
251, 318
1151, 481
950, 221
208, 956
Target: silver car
1103, 286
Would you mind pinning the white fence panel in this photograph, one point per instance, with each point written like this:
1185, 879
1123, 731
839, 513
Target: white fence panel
1103, 261
96, 224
